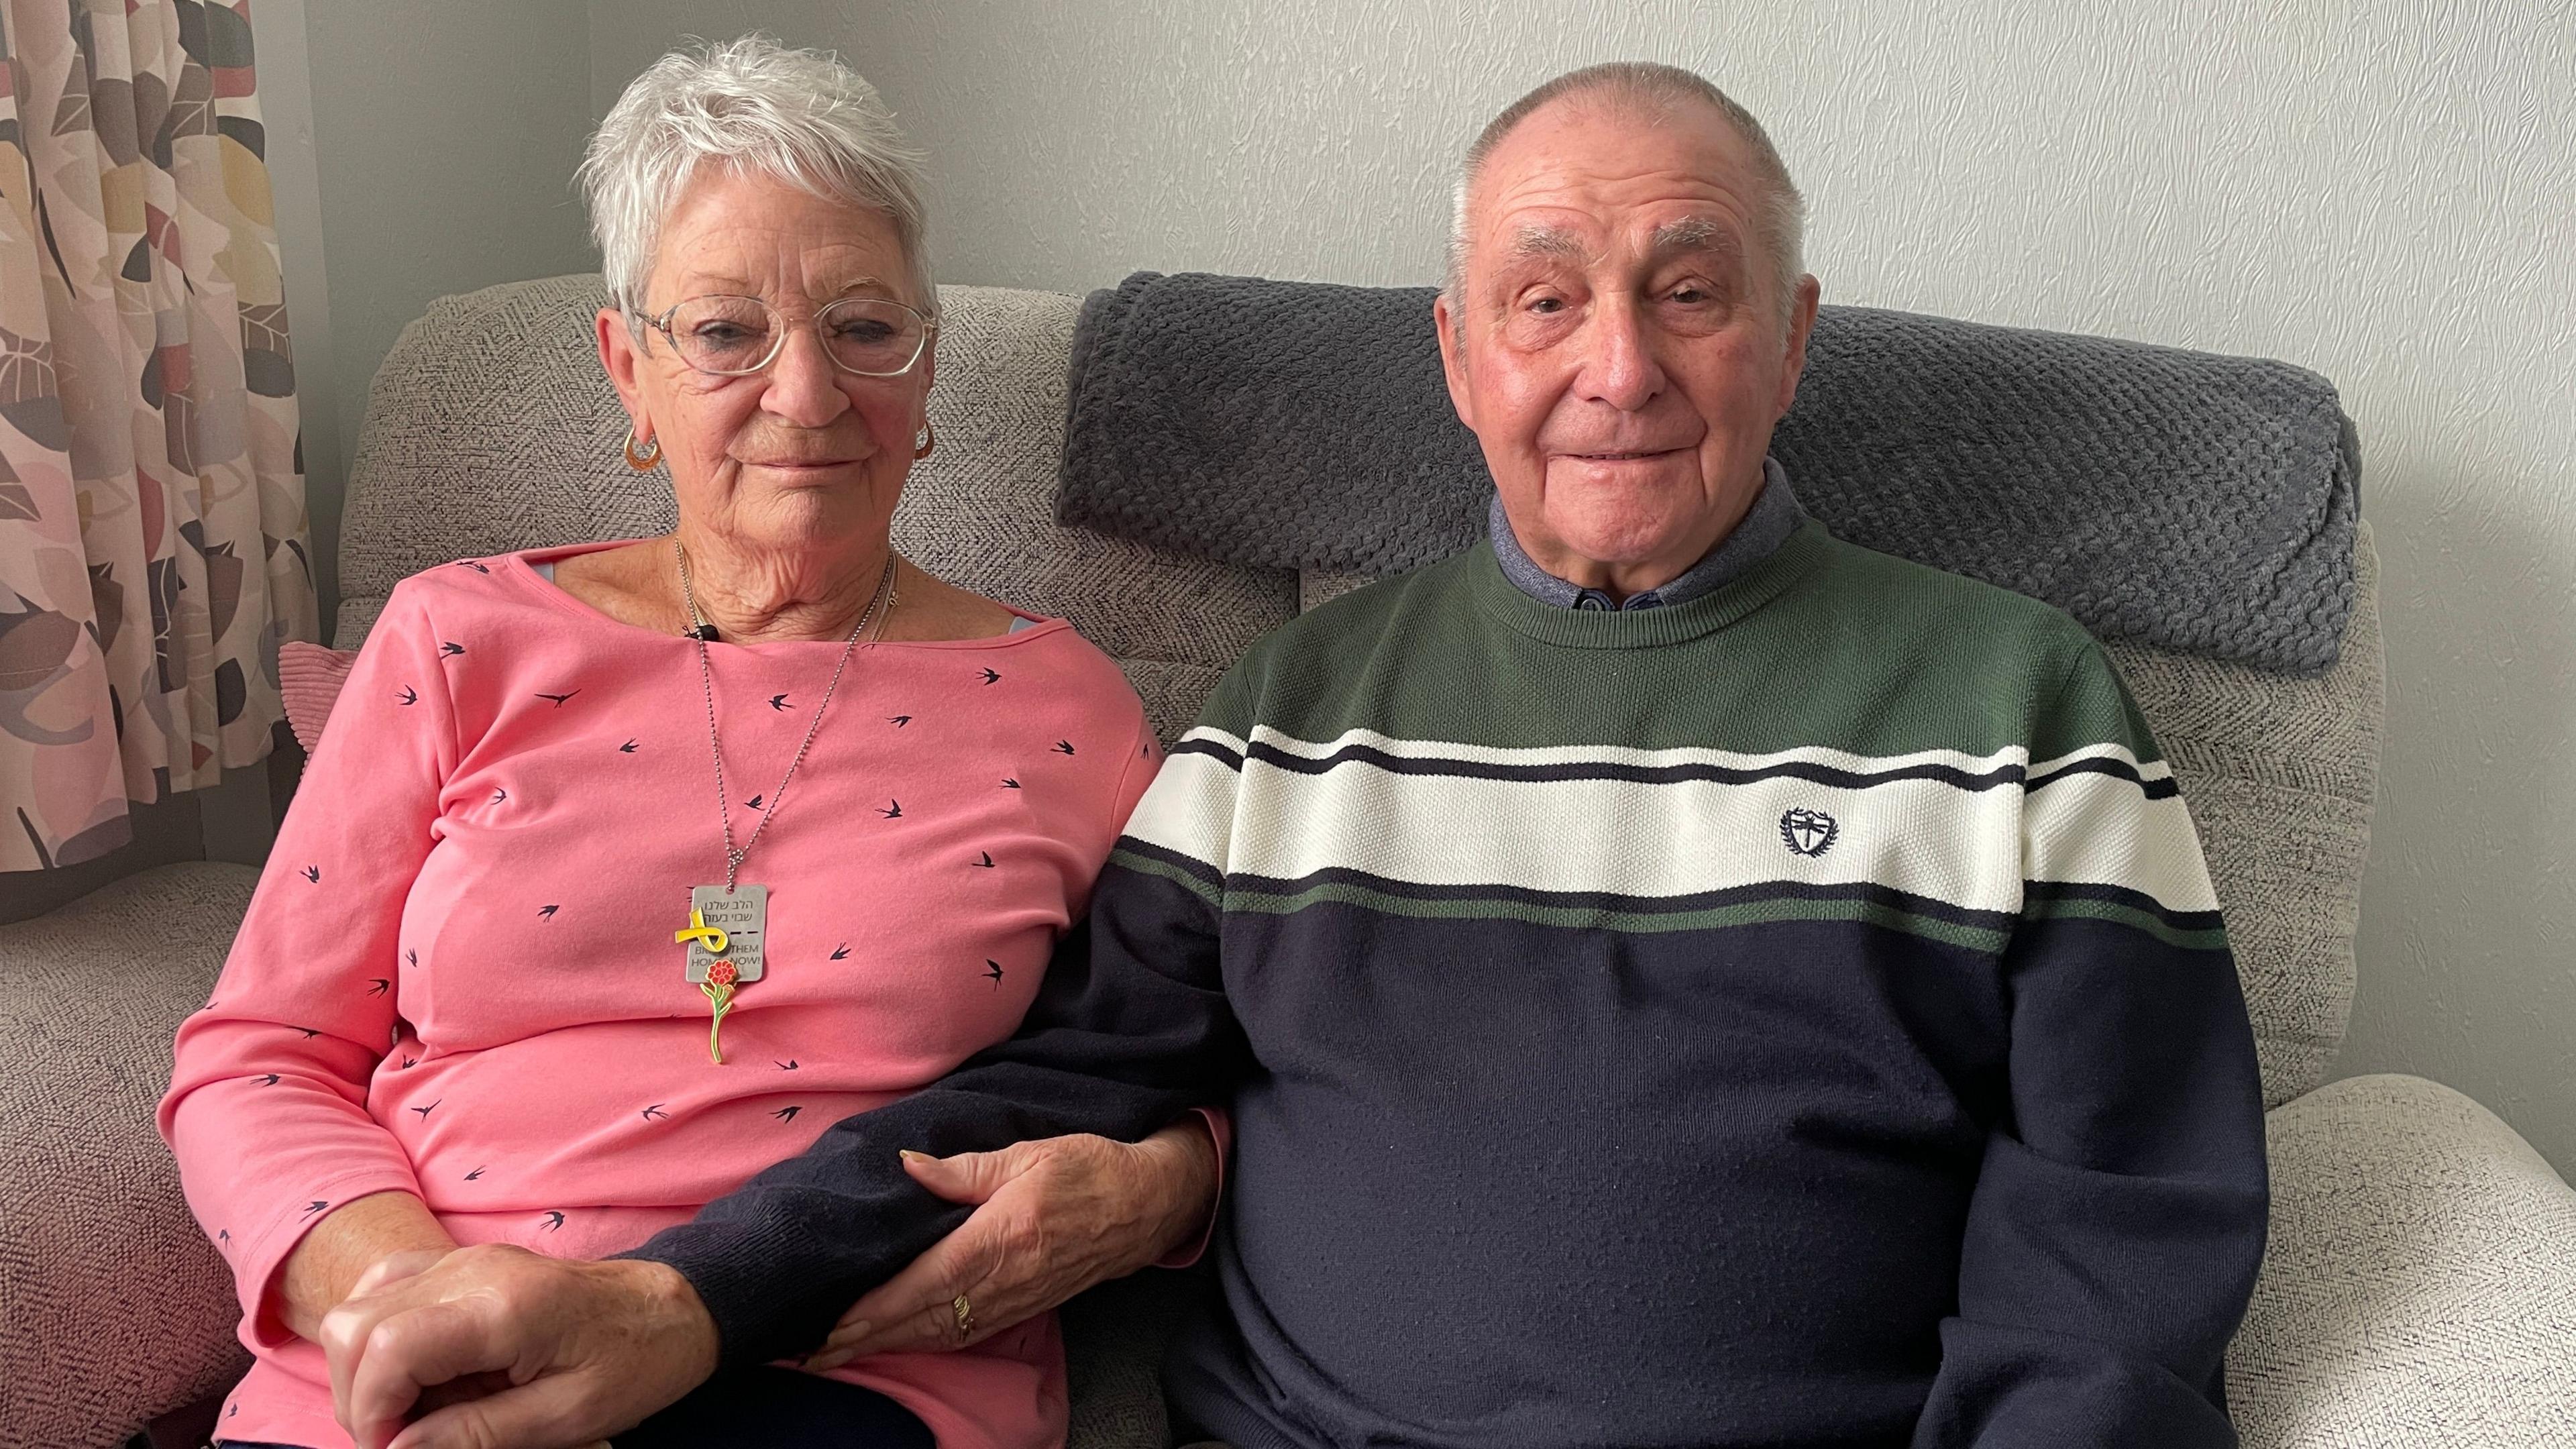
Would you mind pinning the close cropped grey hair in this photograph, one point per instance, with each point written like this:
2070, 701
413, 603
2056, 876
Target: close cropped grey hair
755, 105
1656, 90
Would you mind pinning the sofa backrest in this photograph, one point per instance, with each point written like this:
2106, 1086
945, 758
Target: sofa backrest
490, 427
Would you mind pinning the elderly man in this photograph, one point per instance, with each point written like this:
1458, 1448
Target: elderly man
1681, 979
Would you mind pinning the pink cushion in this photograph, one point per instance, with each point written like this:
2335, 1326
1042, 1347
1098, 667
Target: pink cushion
310, 676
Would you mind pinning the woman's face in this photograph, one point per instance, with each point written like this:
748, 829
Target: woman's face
799, 455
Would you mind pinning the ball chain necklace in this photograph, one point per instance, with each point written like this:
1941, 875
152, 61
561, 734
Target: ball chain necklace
729, 924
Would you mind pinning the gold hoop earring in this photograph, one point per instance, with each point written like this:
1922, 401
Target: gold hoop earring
641, 456
924, 442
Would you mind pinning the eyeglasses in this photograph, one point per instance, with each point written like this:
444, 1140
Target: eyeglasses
736, 336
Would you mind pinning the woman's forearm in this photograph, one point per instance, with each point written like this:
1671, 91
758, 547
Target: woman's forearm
343, 1246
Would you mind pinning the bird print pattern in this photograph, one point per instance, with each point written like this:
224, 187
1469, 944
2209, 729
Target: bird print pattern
451, 895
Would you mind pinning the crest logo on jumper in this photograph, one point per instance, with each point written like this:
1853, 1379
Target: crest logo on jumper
1808, 832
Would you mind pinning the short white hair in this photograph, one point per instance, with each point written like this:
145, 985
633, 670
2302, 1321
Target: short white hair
754, 106
1657, 90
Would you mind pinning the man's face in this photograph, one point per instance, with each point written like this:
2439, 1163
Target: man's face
1618, 347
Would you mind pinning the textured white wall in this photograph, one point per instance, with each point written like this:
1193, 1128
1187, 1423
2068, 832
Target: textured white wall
2376, 189
444, 141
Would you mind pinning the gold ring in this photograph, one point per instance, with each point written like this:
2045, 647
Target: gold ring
965, 1314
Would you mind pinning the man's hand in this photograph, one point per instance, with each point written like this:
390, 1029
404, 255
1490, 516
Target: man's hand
1053, 1217
506, 1347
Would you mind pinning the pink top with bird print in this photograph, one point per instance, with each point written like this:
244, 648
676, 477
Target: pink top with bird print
458, 978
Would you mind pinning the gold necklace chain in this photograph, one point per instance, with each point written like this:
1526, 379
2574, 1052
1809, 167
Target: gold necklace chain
734, 857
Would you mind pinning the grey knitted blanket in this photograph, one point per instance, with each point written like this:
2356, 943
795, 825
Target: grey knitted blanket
2182, 499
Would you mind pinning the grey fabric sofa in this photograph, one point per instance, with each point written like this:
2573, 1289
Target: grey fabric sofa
2421, 1283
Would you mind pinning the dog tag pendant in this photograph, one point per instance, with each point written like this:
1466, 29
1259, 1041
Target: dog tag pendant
725, 936
727, 928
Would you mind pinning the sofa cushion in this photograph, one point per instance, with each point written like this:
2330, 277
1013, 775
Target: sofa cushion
113, 1306
2420, 1283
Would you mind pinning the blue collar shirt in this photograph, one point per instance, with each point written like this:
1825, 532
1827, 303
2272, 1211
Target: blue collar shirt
1774, 516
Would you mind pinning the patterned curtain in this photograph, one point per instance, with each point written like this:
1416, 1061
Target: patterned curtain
153, 543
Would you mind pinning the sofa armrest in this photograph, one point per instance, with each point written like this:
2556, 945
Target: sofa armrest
2420, 1286
113, 1307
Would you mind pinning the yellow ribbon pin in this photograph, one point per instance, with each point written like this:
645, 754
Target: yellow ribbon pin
705, 935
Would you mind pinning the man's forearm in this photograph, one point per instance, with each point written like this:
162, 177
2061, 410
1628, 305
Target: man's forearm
776, 1261
1129, 1032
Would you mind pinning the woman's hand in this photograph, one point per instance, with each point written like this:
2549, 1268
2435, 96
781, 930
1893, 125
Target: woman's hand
1053, 1217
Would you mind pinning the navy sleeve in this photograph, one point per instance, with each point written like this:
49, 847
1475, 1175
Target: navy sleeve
1129, 1031
2118, 1218
2118, 1221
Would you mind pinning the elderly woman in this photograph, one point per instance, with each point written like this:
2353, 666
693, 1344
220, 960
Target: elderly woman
626, 869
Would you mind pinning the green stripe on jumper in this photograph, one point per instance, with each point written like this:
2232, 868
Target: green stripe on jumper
1147, 865
2207, 939
1591, 918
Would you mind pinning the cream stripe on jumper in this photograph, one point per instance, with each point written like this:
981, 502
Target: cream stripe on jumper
1389, 808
